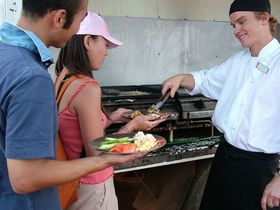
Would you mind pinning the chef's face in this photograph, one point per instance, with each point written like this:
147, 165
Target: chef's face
97, 52
247, 28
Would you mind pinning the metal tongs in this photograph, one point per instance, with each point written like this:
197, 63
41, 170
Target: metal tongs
160, 101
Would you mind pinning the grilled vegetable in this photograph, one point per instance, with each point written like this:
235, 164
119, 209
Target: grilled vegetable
110, 142
106, 147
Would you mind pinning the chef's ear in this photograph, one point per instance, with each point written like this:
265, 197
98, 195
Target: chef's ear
87, 41
265, 17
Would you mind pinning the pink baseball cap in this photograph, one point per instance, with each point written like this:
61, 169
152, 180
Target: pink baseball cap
93, 24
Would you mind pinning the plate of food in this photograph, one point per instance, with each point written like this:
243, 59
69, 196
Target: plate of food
157, 115
129, 143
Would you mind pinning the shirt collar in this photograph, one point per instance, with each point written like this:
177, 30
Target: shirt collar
13, 35
270, 48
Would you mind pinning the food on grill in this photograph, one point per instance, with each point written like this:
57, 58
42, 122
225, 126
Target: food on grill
139, 143
110, 91
138, 93
153, 110
133, 93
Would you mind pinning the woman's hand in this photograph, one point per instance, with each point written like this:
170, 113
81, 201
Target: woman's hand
143, 123
116, 116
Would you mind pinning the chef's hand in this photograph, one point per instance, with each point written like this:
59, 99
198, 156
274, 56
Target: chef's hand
179, 80
143, 123
117, 115
271, 194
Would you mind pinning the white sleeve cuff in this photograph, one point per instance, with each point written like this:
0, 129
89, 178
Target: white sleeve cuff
197, 83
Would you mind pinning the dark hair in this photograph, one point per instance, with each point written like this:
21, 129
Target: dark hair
272, 22
74, 57
39, 8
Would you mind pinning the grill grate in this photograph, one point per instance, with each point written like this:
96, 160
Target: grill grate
183, 145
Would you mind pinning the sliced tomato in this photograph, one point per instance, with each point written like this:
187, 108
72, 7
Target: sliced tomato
124, 148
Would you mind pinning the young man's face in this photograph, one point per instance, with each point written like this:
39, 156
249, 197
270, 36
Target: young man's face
247, 28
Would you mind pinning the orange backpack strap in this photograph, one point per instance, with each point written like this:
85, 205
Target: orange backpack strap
65, 82
67, 192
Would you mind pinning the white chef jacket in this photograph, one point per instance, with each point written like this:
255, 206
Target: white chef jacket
248, 92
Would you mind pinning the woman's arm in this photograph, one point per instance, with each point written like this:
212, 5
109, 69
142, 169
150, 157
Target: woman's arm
141, 123
87, 105
117, 116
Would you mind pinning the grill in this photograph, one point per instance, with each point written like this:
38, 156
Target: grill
189, 132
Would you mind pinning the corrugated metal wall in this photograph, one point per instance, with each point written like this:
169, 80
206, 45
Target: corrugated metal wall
170, 9
161, 37
155, 49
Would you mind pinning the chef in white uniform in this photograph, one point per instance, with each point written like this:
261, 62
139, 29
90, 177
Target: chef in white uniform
244, 173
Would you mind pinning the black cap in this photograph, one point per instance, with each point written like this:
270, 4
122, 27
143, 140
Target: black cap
250, 5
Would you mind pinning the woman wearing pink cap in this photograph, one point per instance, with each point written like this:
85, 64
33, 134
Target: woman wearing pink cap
81, 117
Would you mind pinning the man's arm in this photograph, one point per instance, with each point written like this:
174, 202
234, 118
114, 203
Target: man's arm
30, 175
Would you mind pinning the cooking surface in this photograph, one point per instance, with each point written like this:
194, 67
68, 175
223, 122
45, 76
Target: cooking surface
190, 135
142, 97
